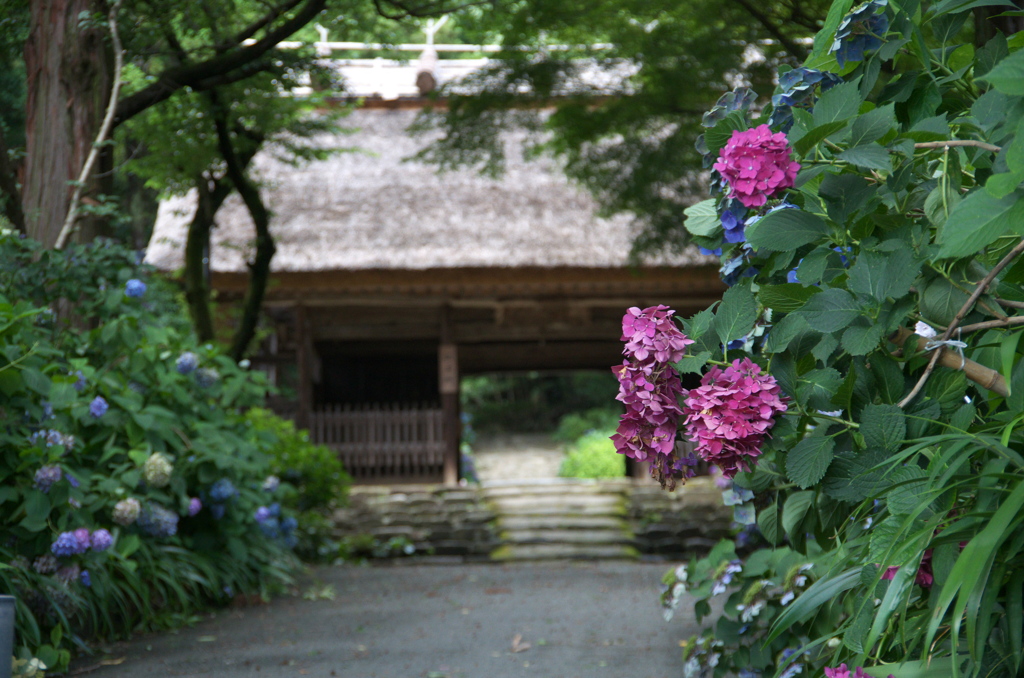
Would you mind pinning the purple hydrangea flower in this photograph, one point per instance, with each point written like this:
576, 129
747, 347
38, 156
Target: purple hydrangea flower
45, 564
262, 514
46, 477
134, 288
85, 578
98, 407
101, 540
68, 574
83, 538
186, 363
65, 545
194, 506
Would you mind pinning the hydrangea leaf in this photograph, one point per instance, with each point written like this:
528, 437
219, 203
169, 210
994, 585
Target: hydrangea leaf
948, 388
825, 347
785, 298
736, 315
910, 491
768, 523
868, 156
692, 364
795, 510
853, 477
839, 103
702, 218
883, 426
832, 310
873, 125
784, 332
786, 230
817, 387
1007, 76
809, 459
37, 509
883, 275
817, 135
862, 337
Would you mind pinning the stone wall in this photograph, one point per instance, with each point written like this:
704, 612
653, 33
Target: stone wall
679, 524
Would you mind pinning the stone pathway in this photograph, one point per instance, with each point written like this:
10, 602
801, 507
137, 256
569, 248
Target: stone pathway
550, 620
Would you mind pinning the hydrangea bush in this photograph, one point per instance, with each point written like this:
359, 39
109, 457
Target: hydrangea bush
129, 485
869, 224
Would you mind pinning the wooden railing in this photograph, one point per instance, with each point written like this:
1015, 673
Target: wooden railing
383, 442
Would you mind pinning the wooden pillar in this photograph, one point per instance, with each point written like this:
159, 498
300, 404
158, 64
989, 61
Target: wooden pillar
448, 385
304, 358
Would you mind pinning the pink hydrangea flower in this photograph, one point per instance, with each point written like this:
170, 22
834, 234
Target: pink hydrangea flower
757, 165
924, 577
729, 415
843, 672
650, 389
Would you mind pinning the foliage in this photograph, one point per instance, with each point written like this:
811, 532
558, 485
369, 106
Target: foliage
532, 402
575, 425
621, 117
593, 456
134, 467
898, 470
313, 481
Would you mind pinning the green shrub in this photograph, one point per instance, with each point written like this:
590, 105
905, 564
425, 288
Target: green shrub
103, 408
574, 426
593, 456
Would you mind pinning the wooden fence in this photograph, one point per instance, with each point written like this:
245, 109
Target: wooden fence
383, 442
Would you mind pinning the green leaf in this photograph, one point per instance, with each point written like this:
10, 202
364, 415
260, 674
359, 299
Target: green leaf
36, 381
692, 364
911, 490
795, 509
768, 523
883, 426
736, 315
830, 311
718, 136
784, 332
839, 103
881, 275
862, 337
824, 349
978, 220
1008, 75
784, 230
37, 510
817, 387
868, 156
816, 136
819, 593
941, 300
702, 218
854, 477
809, 459
873, 125
786, 297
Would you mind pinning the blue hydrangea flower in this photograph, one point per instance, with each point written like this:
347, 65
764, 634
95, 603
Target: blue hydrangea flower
186, 363
222, 490
134, 288
289, 524
715, 252
799, 88
270, 528
47, 477
791, 276
262, 514
275, 509
206, 377
73, 481
98, 407
80, 383
47, 410
66, 545
85, 578
217, 511
862, 30
732, 221
157, 521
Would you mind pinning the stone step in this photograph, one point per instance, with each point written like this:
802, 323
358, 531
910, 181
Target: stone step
523, 489
565, 537
567, 509
516, 552
562, 522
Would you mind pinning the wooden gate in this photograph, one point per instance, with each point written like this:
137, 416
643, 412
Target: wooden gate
383, 443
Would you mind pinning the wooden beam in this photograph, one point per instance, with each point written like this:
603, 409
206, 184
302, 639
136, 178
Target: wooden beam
448, 386
304, 354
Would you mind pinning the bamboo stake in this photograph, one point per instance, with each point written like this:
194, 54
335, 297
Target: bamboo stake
976, 372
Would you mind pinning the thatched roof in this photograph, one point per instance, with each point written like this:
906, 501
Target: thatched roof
372, 210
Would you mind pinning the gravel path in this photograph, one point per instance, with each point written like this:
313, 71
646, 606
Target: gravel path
557, 620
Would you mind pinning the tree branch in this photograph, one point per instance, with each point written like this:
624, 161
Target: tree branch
108, 124
794, 49
964, 310
259, 270
267, 19
217, 70
958, 142
993, 324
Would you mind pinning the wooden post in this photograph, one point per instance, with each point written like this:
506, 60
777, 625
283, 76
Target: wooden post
304, 356
448, 385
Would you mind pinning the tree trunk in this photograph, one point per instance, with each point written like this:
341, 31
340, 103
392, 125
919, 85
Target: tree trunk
197, 248
69, 82
9, 193
986, 23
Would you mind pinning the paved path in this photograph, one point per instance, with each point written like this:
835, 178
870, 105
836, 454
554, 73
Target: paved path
461, 621
517, 456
